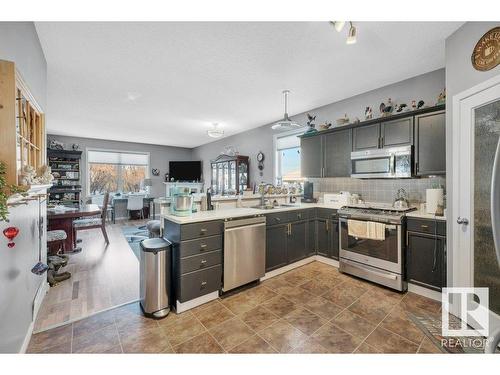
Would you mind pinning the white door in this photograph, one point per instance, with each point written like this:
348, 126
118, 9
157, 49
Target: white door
476, 195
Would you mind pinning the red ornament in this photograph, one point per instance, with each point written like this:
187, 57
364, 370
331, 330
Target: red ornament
10, 233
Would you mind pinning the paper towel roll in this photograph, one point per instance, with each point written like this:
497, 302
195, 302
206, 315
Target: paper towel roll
434, 197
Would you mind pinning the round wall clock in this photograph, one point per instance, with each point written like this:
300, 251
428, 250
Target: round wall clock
260, 157
486, 54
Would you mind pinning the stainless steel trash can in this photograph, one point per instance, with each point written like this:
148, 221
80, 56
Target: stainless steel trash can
155, 284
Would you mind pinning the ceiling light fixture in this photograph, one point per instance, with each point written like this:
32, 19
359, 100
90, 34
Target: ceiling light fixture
286, 123
351, 38
215, 132
338, 25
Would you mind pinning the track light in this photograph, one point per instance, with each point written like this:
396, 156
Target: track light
351, 38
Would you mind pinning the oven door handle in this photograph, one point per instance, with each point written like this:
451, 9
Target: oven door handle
389, 276
392, 162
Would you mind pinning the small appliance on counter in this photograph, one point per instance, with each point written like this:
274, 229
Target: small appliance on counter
308, 193
337, 199
434, 201
181, 201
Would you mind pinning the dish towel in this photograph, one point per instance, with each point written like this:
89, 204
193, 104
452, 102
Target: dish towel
366, 229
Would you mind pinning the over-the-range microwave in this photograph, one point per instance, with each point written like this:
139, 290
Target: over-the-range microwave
394, 162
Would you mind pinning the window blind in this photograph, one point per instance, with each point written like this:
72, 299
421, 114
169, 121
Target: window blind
117, 158
290, 141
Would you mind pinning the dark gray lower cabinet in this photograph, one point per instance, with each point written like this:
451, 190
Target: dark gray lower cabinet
276, 246
334, 238
426, 260
196, 258
311, 237
297, 241
327, 237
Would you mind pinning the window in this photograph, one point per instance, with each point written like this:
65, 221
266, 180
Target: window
288, 157
115, 171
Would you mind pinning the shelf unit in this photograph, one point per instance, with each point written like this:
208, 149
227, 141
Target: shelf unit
65, 167
21, 124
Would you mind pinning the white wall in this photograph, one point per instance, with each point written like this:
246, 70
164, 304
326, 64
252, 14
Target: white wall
18, 286
460, 76
426, 86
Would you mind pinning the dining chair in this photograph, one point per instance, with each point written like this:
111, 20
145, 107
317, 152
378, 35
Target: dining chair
99, 200
94, 222
135, 202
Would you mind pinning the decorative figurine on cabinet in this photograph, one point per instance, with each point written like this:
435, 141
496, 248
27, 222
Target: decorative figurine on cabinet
420, 104
400, 107
386, 108
368, 113
311, 127
441, 97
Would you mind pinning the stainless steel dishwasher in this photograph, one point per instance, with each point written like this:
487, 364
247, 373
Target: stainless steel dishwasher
244, 251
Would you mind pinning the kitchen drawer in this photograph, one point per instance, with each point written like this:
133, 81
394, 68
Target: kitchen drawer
426, 226
199, 283
200, 246
199, 262
298, 215
197, 230
326, 213
277, 218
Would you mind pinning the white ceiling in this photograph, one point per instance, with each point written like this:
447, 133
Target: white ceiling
165, 83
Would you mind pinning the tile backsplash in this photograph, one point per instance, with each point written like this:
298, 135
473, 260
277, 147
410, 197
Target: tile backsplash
383, 190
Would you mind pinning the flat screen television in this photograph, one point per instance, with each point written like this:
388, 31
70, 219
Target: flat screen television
185, 170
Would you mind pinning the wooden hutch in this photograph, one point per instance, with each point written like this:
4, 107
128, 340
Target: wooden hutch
230, 174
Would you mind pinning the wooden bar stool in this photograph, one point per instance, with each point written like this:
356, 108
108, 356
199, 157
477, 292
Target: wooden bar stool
55, 240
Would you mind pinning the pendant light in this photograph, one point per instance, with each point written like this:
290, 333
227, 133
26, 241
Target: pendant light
215, 132
286, 123
351, 38
338, 25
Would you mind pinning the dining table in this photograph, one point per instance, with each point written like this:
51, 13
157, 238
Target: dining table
62, 219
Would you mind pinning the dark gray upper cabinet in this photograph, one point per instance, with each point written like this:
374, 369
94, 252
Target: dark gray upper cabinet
430, 144
366, 137
276, 251
311, 156
396, 133
337, 155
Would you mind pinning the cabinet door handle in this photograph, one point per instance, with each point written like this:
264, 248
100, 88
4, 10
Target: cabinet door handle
203, 230
203, 246
277, 219
203, 262
424, 226
381, 142
203, 284
327, 226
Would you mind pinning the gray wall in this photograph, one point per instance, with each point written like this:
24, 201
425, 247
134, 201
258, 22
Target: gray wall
426, 86
19, 43
159, 156
18, 286
460, 76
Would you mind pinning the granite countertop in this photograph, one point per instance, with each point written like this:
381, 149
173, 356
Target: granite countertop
226, 213
424, 215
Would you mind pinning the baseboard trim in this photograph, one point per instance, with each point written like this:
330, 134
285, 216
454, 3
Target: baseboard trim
37, 303
429, 293
287, 268
184, 306
330, 262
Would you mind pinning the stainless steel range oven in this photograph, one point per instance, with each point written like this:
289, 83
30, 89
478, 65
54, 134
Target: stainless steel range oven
380, 258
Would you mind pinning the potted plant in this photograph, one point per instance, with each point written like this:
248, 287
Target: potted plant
6, 191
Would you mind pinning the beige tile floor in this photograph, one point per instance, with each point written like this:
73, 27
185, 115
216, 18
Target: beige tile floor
102, 277
312, 309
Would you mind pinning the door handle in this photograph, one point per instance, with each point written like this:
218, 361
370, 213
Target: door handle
203, 284
462, 220
203, 246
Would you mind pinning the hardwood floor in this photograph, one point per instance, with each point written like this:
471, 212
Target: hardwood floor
102, 277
